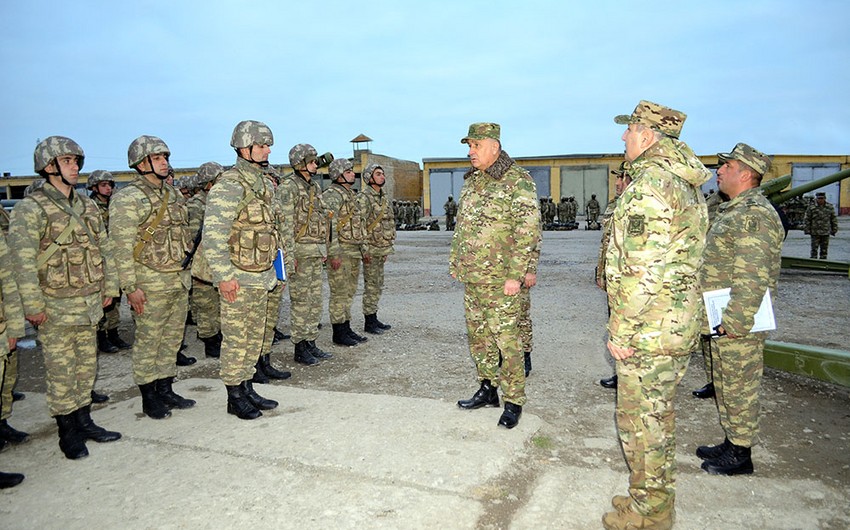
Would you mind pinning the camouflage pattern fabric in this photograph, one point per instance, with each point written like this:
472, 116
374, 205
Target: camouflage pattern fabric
7, 380
206, 308
737, 368
4, 221
243, 325
373, 284
111, 314
272, 316
380, 238
159, 333
607, 219
305, 298
70, 362
348, 244
343, 285
820, 222
656, 117
526, 329
592, 210
451, 212
11, 325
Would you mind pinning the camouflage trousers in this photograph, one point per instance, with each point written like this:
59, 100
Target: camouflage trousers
243, 327
305, 299
373, 284
204, 302
272, 314
646, 424
526, 336
737, 367
819, 243
492, 327
343, 285
8, 380
111, 316
159, 333
70, 362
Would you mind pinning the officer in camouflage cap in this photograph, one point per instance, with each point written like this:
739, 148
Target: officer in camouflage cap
65, 274
150, 228
745, 225
493, 249
658, 232
820, 222
380, 237
346, 249
304, 229
240, 241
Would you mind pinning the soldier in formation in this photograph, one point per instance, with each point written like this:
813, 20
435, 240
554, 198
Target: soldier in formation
11, 329
451, 213
820, 222
380, 237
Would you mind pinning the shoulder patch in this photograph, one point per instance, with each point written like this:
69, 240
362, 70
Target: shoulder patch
636, 225
751, 223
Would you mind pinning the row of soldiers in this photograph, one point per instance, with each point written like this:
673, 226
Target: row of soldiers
407, 212
244, 234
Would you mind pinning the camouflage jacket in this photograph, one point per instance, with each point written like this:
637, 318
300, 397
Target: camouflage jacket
347, 227
451, 208
196, 206
743, 251
379, 221
104, 209
80, 273
603, 245
221, 241
821, 220
4, 221
592, 206
303, 222
131, 207
655, 252
11, 311
498, 225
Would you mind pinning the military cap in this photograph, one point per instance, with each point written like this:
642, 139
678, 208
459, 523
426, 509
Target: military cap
620, 171
656, 117
480, 131
742, 152
820, 194
208, 172
54, 146
97, 176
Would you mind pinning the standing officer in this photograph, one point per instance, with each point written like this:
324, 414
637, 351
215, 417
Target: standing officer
11, 328
451, 212
150, 228
240, 241
652, 270
746, 225
820, 222
592, 210
345, 250
305, 234
492, 250
380, 236
65, 276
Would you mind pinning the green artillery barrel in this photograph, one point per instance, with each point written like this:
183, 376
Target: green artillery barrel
825, 364
774, 186
782, 196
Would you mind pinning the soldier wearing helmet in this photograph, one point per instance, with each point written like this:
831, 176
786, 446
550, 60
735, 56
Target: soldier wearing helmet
239, 243
60, 259
451, 212
345, 250
380, 236
150, 227
304, 227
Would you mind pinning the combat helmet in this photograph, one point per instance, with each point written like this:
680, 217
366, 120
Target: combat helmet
338, 167
367, 173
301, 154
251, 132
54, 146
208, 172
143, 147
97, 176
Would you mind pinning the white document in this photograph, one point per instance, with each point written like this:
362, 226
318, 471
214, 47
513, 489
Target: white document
716, 302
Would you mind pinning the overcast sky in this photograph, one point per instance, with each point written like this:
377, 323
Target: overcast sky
414, 75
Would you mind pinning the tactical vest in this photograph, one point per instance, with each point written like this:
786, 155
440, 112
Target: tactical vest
170, 241
381, 227
253, 235
349, 224
311, 224
76, 268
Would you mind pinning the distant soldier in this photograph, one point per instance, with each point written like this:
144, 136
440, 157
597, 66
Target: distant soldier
345, 251
573, 211
417, 212
820, 222
65, 275
150, 227
563, 211
451, 212
396, 211
380, 236
11, 329
592, 209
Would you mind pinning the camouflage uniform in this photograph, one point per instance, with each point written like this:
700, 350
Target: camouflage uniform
563, 210
820, 222
592, 209
526, 332
11, 326
497, 231
204, 298
652, 271
380, 237
451, 212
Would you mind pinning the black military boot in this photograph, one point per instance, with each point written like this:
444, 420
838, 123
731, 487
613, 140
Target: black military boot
239, 405
527, 356
10, 434
116, 340
10, 480
259, 376
279, 336
71, 441
303, 354
341, 337
381, 324
18, 396
103, 343
212, 345
90, 430
609, 382
169, 398
510, 417
710, 452
352, 334
98, 398
486, 396
317, 353
705, 392
265, 365
735, 461
371, 325
257, 400
152, 404
184, 360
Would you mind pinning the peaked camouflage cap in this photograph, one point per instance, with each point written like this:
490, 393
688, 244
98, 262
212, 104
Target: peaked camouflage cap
251, 132
97, 176
301, 154
620, 171
480, 131
144, 146
53, 146
754, 158
338, 167
656, 117
367, 173
208, 172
